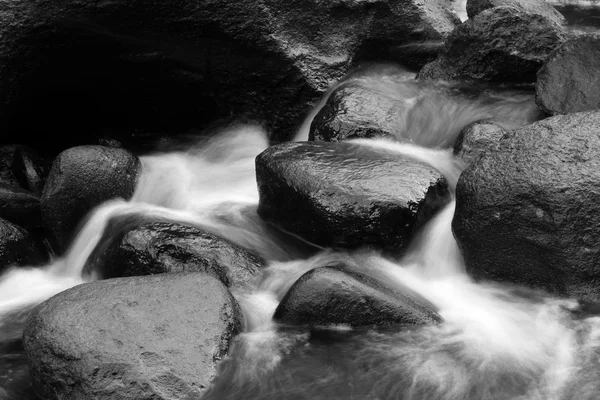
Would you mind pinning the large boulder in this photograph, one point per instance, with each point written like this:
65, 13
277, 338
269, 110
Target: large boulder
20, 206
153, 337
568, 82
477, 138
502, 44
178, 65
392, 106
529, 211
539, 7
346, 195
335, 295
19, 247
162, 247
21, 166
82, 178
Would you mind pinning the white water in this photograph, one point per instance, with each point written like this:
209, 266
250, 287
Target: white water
432, 115
496, 342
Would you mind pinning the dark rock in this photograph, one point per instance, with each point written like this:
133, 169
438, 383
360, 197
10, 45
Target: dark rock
529, 211
153, 337
335, 295
357, 112
502, 44
166, 247
18, 247
20, 207
81, 178
539, 7
477, 138
568, 82
346, 195
22, 167
418, 112
139, 66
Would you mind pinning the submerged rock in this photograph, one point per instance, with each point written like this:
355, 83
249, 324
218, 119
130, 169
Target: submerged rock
153, 337
167, 247
335, 295
569, 82
346, 195
20, 206
502, 44
18, 247
529, 211
477, 138
177, 66
539, 7
82, 178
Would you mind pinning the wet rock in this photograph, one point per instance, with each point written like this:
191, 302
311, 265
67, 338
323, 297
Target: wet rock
477, 138
357, 112
569, 82
152, 337
502, 44
20, 206
18, 247
81, 178
166, 247
529, 211
390, 105
539, 7
346, 195
21, 166
175, 67
335, 295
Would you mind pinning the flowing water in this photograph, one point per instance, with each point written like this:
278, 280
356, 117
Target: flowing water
496, 341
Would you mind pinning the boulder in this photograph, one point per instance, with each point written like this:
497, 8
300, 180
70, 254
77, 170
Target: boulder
18, 247
539, 7
82, 178
418, 112
21, 166
502, 44
167, 247
334, 295
137, 66
529, 211
152, 337
20, 206
568, 82
356, 111
477, 138
347, 195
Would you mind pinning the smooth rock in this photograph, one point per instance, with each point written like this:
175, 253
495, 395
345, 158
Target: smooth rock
569, 81
334, 295
538, 7
141, 338
82, 178
346, 195
529, 211
388, 105
167, 247
502, 44
18, 247
477, 138
137, 66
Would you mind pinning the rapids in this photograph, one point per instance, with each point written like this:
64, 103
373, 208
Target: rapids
496, 342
